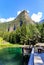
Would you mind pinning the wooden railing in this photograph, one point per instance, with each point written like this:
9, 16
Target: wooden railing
31, 59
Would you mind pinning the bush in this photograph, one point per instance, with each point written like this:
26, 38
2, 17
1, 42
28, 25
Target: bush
12, 37
6, 36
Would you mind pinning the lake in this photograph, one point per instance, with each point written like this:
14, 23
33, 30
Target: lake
13, 56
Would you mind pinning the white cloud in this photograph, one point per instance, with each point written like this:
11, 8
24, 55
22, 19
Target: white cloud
28, 11
18, 12
36, 17
21, 11
6, 20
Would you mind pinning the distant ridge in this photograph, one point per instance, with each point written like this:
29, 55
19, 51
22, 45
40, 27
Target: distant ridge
42, 21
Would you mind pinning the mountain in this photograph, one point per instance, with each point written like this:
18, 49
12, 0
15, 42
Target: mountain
42, 21
23, 17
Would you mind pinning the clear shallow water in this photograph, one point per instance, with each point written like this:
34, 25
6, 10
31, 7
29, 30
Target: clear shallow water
13, 56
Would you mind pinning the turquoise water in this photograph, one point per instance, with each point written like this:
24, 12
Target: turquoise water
11, 56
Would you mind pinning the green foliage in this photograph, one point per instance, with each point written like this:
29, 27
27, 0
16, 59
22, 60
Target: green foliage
32, 33
23, 33
6, 36
12, 37
41, 30
42, 33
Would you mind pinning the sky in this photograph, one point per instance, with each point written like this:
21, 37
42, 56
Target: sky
9, 9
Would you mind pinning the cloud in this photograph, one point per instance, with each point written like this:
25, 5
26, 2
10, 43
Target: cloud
21, 11
7, 20
18, 12
36, 17
28, 11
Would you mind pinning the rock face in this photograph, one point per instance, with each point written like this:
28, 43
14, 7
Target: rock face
24, 16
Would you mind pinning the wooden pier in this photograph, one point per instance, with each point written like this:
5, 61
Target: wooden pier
36, 58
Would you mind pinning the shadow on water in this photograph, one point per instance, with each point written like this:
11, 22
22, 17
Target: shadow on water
13, 56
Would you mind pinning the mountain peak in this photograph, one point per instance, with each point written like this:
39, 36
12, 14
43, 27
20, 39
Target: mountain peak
24, 11
24, 16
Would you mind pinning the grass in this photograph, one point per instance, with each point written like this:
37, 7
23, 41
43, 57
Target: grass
4, 44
